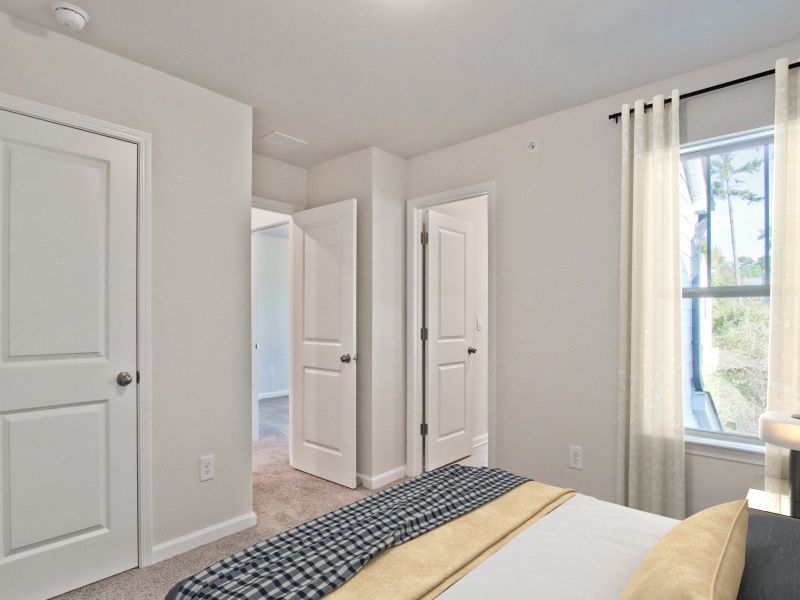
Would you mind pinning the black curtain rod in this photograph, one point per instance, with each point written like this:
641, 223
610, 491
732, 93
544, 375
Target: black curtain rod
712, 88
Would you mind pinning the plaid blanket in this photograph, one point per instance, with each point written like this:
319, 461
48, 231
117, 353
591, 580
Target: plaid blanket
317, 557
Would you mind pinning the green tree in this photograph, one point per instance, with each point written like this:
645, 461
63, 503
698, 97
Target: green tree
727, 186
740, 330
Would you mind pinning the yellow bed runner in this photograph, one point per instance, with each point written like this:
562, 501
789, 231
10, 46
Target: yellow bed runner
426, 566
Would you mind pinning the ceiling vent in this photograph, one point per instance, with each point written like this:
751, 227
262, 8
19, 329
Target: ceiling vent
284, 141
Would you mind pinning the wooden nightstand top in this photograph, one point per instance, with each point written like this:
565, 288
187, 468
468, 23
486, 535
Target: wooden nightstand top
769, 494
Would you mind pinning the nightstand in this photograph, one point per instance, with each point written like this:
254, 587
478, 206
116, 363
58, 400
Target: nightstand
769, 494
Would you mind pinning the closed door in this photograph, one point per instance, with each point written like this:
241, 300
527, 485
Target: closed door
68, 491
448, 315
323, 387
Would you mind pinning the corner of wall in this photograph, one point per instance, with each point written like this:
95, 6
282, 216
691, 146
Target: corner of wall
279, 181
192, 540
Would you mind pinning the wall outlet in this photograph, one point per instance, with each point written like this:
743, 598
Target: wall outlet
207, 467
576, 457
272, 369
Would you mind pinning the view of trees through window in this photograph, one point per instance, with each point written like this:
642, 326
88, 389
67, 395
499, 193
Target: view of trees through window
725, 260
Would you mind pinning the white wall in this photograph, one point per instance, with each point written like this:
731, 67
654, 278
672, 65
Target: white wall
475, 210
201, 273
350, 176
376, 179
388, 316
276, 180
557, 251
713, 480
271, 298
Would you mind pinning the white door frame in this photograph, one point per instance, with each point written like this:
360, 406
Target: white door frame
143, 141
284, 209
275, 206
414, 208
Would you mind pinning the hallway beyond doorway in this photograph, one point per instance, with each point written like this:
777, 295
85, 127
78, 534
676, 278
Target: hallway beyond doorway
273, 417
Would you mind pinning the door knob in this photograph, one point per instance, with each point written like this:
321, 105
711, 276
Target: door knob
472, 350
345, 358
124, 378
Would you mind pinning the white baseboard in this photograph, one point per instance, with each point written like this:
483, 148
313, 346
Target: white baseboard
187, 542
382, 479
273, 394
480, 440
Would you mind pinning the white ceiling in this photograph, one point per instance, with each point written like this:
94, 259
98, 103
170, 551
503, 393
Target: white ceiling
410, 76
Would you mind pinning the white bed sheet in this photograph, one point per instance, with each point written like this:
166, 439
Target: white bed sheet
585, 549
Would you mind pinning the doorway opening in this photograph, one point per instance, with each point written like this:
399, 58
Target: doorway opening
451, 341
303, 343
271, 356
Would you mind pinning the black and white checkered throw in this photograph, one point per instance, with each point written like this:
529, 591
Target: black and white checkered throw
317, 557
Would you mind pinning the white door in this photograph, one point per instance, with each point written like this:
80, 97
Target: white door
68, 492
323, 387
448, 317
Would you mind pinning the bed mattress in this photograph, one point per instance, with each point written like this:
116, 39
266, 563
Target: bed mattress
586, 548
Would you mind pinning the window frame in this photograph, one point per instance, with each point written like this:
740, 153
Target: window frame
707, 148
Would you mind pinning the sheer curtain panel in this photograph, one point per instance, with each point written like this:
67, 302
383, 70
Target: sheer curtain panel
783, 387
650, 461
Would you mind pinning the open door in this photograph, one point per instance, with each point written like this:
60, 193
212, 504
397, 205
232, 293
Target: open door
323, 387
448, 313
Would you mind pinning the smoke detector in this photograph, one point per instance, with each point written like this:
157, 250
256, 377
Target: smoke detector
70, 16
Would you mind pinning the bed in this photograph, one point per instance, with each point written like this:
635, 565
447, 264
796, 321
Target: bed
467, 533
585, 548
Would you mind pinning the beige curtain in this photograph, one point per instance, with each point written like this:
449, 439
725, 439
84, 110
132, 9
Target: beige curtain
783, 388
650, 461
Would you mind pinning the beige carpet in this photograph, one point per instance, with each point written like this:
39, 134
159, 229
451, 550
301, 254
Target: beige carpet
282, 499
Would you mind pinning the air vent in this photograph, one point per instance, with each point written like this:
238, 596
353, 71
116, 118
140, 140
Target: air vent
284, 141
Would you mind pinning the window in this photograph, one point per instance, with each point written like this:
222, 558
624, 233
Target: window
725, 254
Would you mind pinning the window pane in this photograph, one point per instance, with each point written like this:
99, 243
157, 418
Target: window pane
737, 207
694, 224
725, 348
724, 206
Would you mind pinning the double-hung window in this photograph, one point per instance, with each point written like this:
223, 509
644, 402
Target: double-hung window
726, 187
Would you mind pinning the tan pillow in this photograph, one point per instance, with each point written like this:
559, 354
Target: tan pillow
701, 558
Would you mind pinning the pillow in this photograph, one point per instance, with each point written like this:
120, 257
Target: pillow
701, 558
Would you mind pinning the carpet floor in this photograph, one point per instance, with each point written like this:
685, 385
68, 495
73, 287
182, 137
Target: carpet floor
273, 416
282, 498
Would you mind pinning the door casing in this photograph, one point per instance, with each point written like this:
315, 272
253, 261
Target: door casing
143, 141
414, 299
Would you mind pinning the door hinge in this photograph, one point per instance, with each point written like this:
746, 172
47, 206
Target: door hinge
423, 238
138, 377
423, 429
423, 334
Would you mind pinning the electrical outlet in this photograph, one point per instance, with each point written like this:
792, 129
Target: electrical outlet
207, 467
272, 369
576, 457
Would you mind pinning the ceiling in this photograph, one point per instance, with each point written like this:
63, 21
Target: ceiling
411, 76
